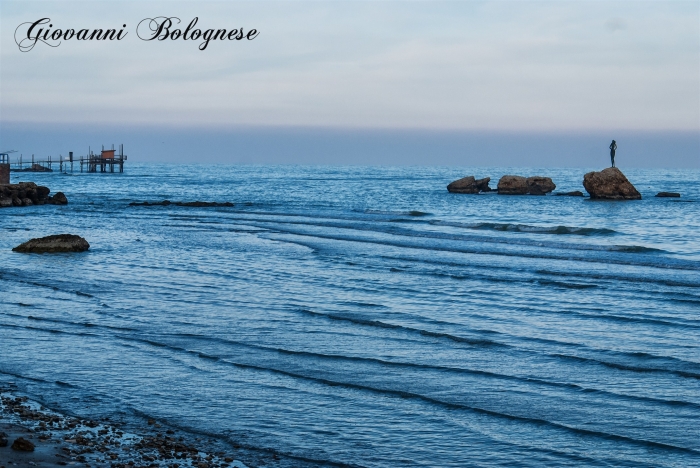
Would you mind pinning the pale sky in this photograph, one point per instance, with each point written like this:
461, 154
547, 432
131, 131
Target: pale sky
471, 66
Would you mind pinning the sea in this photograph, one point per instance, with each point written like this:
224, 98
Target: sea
364, 316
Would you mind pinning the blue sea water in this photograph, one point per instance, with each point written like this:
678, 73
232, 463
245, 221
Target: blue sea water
364, 316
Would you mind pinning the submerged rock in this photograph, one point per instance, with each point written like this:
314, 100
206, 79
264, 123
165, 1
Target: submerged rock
575, 193
512, 185
190, 204
668, 194
610, 184
539, 185
3, 439
54, 244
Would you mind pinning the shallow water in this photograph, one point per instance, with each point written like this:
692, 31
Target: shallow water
365, 316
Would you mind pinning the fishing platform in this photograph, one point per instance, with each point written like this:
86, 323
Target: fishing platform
108, 160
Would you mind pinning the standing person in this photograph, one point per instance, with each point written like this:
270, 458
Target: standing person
613, 147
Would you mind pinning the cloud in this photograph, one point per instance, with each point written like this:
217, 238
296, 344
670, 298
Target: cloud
433, 65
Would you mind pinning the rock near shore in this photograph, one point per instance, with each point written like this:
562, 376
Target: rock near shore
54, 244
610, 184
22, 445
518, 185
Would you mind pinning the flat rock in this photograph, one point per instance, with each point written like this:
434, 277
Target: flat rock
610, 184
668, 194
539, 185
54, 244
575, 193
22, 445
512, 185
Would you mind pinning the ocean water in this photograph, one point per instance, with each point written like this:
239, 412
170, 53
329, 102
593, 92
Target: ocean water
364, 316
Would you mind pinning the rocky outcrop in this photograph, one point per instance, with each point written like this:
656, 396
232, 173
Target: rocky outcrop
512, 185
196, 204
464, 185
575, 193
540, 185
610, 184
518, 185
483, 184
54, 244
28, 194
22, 445
668, 194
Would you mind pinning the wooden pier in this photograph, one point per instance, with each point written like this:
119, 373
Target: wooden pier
108, 160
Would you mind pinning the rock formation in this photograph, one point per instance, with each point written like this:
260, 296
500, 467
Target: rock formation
518, 185
54, 244
610, 184
28, 194
483, 184
464, 185
512, 185
539, 185
668, 194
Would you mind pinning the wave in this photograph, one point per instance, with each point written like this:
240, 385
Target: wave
510, 227
402, 394
629, 367
379, 324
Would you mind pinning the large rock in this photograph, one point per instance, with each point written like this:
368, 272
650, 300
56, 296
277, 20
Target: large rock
610, 184
512, 185
23, 445
540, 185
464, 185
54, 244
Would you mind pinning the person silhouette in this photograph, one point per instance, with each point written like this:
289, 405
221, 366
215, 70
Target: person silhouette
613, 147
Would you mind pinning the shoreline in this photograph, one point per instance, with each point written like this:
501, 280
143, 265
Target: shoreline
62, 440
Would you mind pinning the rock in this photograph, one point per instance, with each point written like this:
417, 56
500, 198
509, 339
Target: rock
668, 194
58, 199
464, 185
3, 439
575, 193
539, 185
54, 244
27, 202
43, 192
16, 201
512, 185
5, 202
483, 184
23, 445
610, 184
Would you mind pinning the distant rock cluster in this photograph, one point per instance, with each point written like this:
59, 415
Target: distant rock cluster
608, 184
507, 185
29, 194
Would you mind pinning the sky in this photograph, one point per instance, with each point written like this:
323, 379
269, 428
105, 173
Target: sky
364, 82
